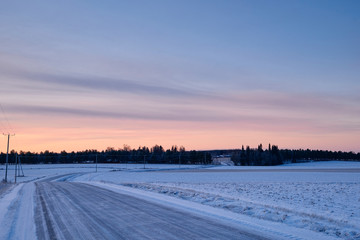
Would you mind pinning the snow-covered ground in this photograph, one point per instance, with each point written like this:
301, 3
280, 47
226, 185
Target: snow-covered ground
323, 207
43, 171
321, 197
308, 195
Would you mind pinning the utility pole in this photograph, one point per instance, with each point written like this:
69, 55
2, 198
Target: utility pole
16, 163
7, 155
179, 159
20, 167
144, 160
96, 162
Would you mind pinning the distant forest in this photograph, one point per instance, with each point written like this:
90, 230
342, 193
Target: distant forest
259, 156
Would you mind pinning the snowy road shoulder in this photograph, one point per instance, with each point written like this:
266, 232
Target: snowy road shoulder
266, 228
17, 213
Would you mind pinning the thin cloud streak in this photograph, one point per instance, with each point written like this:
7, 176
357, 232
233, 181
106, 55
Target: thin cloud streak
292, 101
67, 82
258, 109
155, 116
209, 119
304, 103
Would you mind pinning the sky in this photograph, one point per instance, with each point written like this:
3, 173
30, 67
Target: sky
203, 74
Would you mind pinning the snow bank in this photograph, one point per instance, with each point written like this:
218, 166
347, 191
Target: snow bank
17, 213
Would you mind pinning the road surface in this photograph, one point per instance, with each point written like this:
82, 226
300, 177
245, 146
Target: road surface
310, 170
68, 210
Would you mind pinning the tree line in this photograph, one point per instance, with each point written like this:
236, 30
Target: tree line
275, 156
157, 155
257, 156
247, 156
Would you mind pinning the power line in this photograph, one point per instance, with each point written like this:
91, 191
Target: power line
7, 155
8, 134
3, 127
10, 129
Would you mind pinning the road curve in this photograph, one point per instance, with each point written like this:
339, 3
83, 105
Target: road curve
67, 210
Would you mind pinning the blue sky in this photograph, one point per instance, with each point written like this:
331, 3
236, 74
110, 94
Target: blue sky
225, 73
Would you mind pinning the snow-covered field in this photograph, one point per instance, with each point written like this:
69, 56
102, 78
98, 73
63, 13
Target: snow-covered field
323, 197
323, 207
322, 201
43, 171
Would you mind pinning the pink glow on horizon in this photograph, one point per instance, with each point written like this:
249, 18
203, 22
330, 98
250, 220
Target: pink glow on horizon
189, 135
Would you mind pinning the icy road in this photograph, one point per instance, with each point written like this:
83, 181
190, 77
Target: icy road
66, 210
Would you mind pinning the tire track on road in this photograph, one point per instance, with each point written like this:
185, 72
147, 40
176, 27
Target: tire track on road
81, 211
